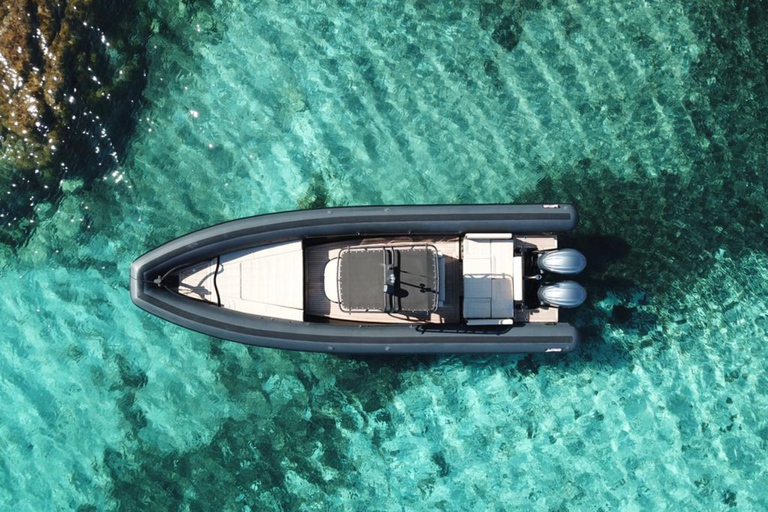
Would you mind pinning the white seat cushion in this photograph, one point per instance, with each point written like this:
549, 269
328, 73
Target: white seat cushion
489, 277
331, 280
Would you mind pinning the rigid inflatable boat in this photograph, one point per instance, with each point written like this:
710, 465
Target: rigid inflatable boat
374, 279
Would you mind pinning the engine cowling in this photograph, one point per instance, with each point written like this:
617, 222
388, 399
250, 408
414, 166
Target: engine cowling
565, 294
562, 261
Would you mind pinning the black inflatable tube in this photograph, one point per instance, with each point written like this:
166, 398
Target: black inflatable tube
354, 221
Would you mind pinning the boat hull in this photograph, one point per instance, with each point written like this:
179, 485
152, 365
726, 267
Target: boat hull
341, 337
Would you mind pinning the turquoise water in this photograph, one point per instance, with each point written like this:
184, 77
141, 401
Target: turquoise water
650, 116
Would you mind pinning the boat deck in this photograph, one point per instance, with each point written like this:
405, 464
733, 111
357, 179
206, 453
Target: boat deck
316, 303
282, 297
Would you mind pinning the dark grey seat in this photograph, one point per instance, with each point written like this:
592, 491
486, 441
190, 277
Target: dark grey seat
389, 279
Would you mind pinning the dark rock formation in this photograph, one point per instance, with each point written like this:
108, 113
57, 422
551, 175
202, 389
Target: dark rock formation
69, 74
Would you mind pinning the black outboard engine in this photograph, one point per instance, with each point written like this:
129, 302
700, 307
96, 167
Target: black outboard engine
565, 294
562, 261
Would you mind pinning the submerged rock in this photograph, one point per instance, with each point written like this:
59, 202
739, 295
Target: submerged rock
63, 87
316, 195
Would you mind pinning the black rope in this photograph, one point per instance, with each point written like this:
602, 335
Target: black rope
215, 285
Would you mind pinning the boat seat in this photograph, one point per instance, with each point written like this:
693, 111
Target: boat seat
489, 270
331, 280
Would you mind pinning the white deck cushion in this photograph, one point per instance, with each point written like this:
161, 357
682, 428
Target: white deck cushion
477, 308
331, 280
489, 277
518, 277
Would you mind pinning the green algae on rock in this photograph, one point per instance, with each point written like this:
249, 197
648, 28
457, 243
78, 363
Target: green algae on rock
63, 86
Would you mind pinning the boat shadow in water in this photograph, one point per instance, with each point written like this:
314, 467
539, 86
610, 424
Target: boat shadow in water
626, 308
513, 365
601, 251
593, 350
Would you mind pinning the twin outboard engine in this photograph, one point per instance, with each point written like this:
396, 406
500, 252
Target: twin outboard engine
563, 261
564, 294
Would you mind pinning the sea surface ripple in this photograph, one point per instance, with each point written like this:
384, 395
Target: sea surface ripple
650, 116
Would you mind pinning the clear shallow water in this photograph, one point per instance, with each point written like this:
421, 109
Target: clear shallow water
646, 115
